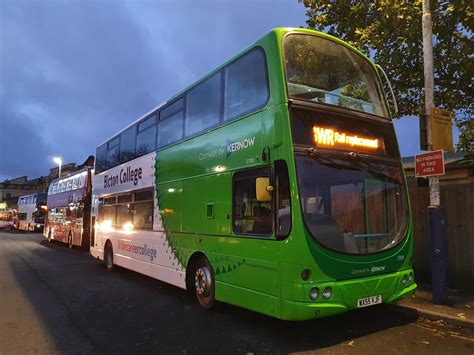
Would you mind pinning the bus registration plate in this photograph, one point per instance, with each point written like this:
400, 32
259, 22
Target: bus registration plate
369, 301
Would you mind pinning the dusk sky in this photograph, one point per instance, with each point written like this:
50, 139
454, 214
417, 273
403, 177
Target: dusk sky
72, 73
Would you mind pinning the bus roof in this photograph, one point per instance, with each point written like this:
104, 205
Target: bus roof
33, 194
64, 177
279, 32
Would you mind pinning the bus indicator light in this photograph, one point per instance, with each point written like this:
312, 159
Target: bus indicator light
330, 137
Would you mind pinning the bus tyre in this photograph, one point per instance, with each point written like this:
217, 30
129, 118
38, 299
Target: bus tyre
109, 256
204, 284
69, 240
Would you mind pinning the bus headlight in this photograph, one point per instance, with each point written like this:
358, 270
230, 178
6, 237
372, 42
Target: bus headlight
313, 293
327, 293
404, 280
410, 277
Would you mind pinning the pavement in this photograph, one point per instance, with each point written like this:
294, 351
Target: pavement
458, 312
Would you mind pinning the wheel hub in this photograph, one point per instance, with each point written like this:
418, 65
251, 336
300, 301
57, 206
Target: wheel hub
202, 281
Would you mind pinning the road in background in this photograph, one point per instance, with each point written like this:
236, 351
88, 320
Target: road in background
54, 299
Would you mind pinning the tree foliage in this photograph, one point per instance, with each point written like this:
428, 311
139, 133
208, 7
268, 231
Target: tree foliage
390, 32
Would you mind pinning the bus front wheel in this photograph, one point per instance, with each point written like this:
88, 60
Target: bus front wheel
204, 283
109, 256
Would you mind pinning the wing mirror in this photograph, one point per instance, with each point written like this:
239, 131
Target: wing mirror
263, 189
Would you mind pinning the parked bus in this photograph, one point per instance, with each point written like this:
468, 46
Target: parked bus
31, 212
7, 219
69, 209
274, 183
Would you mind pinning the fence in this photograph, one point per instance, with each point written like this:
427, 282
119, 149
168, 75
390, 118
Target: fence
457, 201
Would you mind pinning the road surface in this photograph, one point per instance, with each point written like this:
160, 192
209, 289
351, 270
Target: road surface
59, 300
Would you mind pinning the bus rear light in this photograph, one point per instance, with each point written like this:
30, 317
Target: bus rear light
327, 293
313, 293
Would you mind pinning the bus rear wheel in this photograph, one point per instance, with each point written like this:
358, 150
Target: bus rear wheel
109, 256
204, 283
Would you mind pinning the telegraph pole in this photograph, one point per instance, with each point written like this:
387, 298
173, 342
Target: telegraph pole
436, 220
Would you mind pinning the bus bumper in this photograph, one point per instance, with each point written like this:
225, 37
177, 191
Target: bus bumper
345, 295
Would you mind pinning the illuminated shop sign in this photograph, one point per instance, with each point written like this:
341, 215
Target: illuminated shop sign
331, 138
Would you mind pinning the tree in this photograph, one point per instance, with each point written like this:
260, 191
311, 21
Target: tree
390, 33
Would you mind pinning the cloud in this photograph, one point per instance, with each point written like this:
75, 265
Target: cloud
72, 73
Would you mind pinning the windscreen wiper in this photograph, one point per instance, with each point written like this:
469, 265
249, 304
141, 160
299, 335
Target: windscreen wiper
326, 160
372, 168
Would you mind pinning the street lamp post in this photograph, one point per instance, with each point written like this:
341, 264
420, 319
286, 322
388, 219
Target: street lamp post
58, 161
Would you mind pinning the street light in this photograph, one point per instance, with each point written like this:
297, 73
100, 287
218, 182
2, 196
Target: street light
58, 161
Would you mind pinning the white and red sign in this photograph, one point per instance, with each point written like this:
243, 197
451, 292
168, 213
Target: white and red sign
429, 164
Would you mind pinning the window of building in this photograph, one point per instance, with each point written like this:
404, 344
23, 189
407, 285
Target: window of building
246, 85
249, 215
203, 105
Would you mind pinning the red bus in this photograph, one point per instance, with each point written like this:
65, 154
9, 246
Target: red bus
69, 209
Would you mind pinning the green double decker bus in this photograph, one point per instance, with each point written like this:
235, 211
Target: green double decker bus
274, 183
